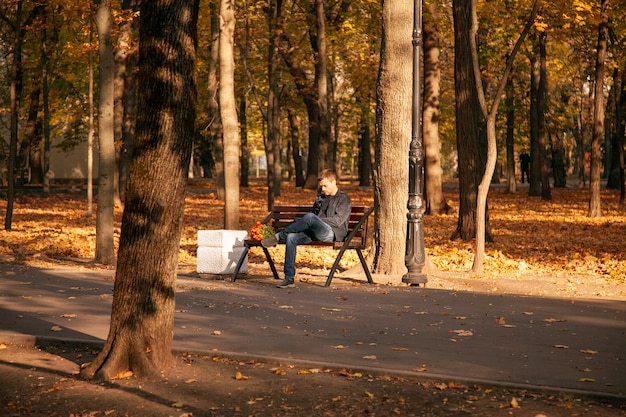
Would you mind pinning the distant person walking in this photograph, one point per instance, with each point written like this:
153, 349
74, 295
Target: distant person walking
524, 159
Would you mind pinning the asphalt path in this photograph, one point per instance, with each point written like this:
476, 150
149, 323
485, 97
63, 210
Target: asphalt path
576, 345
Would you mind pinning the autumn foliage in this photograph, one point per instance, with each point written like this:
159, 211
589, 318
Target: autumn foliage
533, 237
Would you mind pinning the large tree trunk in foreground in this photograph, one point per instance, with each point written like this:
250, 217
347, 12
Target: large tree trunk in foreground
393, 115
142, 318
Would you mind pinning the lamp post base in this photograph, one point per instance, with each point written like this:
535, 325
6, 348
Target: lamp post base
414, 278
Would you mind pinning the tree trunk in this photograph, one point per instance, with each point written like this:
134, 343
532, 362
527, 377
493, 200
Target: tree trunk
91, 129
365, 144
142, 318
541, 119
44, 160
617, 144
534, 182
321, 81
433, 173
511, 185
471, 160
15, 92
394, 120
273, 141
215, 126
105, 250
491, 117
244, 160
228, 113
558, 160
305, 89
595, 209
125, 57
245, 150
31, 141
619, 138
296, 151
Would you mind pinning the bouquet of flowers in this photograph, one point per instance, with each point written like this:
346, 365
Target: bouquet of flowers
261, 231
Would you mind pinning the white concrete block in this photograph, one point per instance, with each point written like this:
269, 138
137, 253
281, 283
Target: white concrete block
221, 238
220, 260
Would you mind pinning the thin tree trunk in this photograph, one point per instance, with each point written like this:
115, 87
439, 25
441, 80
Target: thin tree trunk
617, 151
321, 72
365, 144
511, 184
595, 209
105, 250
15, 92
274, 139
541, 113
90, 134
534, 181
228, 113
294, 128
490, 116
245, 150
215, 126
433, 178
46, 105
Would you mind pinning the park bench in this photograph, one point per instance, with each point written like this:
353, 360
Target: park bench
356, 239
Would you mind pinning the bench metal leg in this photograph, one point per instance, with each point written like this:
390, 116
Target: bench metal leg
243, 257
239, 264
336, 265
364, 265
271, 262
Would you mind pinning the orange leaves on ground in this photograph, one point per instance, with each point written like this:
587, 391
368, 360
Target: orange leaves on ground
554, 239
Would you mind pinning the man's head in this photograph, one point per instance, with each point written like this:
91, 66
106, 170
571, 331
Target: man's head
328, 182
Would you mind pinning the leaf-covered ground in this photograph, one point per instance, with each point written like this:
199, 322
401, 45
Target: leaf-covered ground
540, 248
44, 383
553, 241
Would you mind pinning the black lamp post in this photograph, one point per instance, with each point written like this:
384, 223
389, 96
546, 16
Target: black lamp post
415, 257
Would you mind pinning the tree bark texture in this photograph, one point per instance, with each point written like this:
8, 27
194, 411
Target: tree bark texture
105, 249
534, 182
215, 123
228, 113
274, 137
433, 172
142, 318
595, 207
541, 118
394, 120
511, 185
365, 144
617, 139
471, 155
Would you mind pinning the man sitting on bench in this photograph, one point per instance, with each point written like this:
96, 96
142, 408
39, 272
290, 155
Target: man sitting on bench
327, 222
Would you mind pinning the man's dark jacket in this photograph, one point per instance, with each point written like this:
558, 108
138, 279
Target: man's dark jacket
334, 211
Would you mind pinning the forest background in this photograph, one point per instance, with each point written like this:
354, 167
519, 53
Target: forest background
318, 62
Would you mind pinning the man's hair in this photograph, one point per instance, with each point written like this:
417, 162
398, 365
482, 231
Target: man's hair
328, 174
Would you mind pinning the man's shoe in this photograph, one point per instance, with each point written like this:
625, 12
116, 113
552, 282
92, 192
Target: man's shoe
268, 242
287, 283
